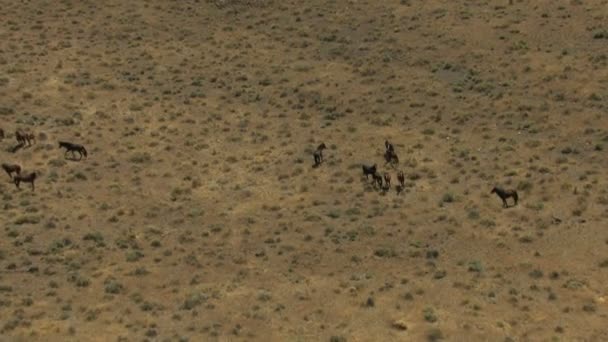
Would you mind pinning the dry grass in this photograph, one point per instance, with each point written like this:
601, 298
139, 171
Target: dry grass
198, 216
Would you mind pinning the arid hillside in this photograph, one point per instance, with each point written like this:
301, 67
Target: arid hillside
198, 214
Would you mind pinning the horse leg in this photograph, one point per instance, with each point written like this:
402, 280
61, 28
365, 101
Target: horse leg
504, 203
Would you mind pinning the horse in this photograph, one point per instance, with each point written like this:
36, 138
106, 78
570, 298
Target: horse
10, 168
389, 147
318, 154
30, 137
504, 194
20, 136
391, 157
24, 137
369, 170
378, 179
70, 147
29, 178
387, 180
401, 178
1, 134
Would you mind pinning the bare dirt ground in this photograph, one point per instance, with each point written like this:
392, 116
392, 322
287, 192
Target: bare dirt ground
198, 216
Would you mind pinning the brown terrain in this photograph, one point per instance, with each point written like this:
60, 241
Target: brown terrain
198, 216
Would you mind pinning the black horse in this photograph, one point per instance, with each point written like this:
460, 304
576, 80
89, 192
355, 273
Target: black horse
10, 168
504, 194
318, 154
29, 178
369, 170
70, 147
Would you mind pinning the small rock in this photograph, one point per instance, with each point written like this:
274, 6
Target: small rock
400, 324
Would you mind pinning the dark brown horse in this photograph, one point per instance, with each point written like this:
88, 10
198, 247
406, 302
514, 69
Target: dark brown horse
24, 138
401, 178
505, 194
29, 178
10, 168
318, 154
70, 147
1, 134
389, 147
391, 157
20, 136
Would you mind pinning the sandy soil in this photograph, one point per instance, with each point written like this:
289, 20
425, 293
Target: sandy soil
198, 216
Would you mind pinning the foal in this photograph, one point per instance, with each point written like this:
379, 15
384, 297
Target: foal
29, 178
387, 179
318, 154
504, 194
401, 178
10, 168
70, 147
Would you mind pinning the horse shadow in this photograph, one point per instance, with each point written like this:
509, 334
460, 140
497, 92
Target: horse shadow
73, 158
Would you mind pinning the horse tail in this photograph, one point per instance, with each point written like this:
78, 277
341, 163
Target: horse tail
515, 196
84, 151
